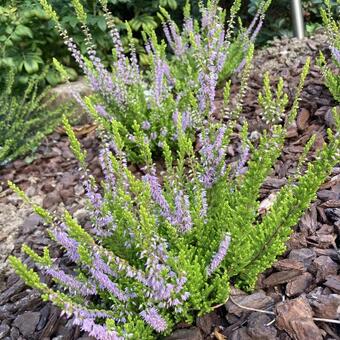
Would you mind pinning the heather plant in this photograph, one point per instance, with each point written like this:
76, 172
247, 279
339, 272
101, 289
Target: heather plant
202, 56
24, 118
164, 246
331, 73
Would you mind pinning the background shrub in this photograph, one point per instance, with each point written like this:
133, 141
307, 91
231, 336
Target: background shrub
278, 22
331, 67
28, 41
24, 118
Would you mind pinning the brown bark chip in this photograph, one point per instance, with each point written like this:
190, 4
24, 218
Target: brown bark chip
326, 306
296, 318
299, 284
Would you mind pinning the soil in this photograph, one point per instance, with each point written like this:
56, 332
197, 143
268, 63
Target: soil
302, 285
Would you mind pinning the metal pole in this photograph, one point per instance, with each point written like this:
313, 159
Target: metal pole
297, 17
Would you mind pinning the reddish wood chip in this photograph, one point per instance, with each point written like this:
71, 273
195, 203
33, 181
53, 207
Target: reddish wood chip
296, 318
308, 222
299, 285
281, 277
288, 264
333, 282
302, 119
326, 306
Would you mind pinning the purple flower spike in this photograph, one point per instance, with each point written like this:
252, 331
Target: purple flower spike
97, 331
212, 157
106, 165
182, 216
154, 319
101, 110
157, 195
68, 243
220, 255
335, 53
70, 282
257, 30
105, 283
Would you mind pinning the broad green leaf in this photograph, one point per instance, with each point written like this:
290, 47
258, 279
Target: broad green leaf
31, 66
23, 31
101, 23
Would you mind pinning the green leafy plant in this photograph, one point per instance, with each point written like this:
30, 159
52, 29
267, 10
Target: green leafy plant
163, 248
331, 73
28, 43
279, 23
24, 118
204, 52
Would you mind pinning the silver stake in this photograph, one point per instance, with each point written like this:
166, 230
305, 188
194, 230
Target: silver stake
297, 17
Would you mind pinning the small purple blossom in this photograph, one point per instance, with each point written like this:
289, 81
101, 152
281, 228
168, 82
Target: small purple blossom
153, 135
99, 332
152, 317
164, 131
101, 110
335, 53
242, 162
220, 255
146, 125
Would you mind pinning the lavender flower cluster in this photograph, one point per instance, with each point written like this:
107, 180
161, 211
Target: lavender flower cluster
150, 281
185, 82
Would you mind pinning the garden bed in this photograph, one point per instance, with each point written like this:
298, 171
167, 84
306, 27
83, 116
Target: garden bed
303, 284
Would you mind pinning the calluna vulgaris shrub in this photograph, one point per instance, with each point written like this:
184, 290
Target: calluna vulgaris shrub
164, 247
24, 118
331, 75
202, 54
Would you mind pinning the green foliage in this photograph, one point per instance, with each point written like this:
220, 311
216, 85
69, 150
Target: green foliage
278, 21
24, 118
331, 73
163, 251
74, 143
273, 108
28, 41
